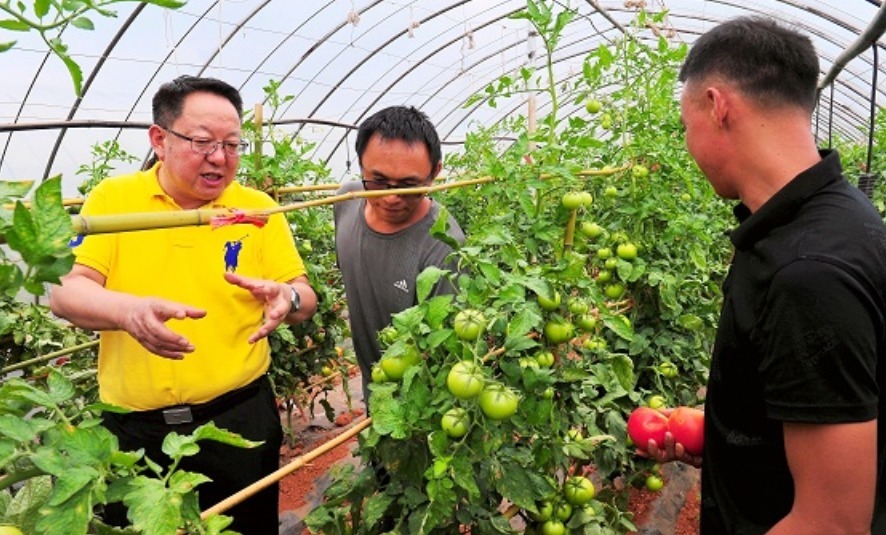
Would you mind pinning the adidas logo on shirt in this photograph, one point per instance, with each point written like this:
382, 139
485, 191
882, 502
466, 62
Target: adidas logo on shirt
402, 286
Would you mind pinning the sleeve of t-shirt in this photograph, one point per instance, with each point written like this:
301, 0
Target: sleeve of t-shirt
819, 347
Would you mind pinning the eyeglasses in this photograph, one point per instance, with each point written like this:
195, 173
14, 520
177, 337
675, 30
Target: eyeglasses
378, 185
208, 146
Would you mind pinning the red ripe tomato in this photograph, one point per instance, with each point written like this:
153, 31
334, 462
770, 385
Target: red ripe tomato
687, 426
645, 424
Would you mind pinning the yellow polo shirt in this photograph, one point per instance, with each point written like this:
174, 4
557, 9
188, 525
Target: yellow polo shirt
185, 265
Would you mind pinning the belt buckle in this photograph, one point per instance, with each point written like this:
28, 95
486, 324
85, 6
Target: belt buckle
178, 415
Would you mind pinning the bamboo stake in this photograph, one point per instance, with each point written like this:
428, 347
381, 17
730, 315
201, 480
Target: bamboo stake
156, 220
245, 493
49, 356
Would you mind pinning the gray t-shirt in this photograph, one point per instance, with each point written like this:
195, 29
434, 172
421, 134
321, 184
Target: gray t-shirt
380, 270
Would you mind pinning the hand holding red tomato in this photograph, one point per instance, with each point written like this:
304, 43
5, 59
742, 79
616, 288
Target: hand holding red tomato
668, 434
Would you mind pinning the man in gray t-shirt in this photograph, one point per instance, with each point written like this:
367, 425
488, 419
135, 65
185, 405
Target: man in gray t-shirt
383, 243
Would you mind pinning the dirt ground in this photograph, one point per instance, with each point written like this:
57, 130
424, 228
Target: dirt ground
672, 511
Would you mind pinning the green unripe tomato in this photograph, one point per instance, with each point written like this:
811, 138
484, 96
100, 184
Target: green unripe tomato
572, 200
469, 324
455, 422
656, 402
604, 252
586, 322
593, 106
578, 305
498, 402
578, 490
614, 290
545, 359
586, 199
626, 251
654, 483
549, 304
10, 530
591, 230
668, 369
545, 511
604, 275
465, 380
640, 171
611, 191
557, 332
611, 264
378, 374
686, 197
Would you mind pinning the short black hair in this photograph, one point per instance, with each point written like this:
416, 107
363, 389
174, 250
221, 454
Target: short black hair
169, 99
769, 62
400, 123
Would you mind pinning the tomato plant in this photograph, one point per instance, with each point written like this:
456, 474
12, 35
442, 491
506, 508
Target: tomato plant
549, 303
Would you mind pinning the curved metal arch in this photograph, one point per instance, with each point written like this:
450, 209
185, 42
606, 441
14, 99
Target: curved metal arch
427, 57
403, 75
378, 49
88, 84
283, 41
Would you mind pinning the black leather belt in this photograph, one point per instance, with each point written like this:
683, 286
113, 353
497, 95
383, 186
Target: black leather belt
185, 414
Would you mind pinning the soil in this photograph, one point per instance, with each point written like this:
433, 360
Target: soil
672, 511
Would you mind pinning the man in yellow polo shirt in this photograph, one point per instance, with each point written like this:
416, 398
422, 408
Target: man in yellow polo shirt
184, 313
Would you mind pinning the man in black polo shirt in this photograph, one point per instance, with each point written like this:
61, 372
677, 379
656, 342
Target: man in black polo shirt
793, 443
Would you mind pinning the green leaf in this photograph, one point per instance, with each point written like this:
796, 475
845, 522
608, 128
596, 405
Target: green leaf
11, 190
15, 25
426, 280
440, 229
75, 479
7, 45
70, 517
210, 431
41, 7
623, 367
177, 446
437, 310
153, 509
375, 508
22, 509
23, 430
73, 68
516, 485
61, 389
463, 475
620, 325
169, 4
84, 23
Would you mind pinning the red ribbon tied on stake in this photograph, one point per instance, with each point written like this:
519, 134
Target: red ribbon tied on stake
237, 217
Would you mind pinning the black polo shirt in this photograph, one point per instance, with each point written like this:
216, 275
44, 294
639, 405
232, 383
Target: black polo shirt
801, 332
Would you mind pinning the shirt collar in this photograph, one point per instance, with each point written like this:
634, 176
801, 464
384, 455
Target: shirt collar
154, 189
782, 206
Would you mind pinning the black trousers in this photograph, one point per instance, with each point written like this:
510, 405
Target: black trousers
230, 468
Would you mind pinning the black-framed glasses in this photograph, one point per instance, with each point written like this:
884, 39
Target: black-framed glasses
208, 146
378, 185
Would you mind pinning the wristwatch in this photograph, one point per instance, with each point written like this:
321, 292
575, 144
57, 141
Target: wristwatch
294, 301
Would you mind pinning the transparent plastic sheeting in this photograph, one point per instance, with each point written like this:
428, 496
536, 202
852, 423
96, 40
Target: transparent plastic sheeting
344, 59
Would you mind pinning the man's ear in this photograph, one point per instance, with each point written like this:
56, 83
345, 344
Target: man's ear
437, 169
719, 103
157, 137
